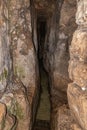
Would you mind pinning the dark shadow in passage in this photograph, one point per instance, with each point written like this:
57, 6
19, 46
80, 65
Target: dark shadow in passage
43, 113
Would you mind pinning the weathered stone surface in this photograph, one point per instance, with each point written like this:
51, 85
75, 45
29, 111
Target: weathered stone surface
23, 49
2, 112
61, 54
81, 15
45, 5
67, 18
78, 103
60, 72
18, 107
78, 73
56, 54
4, 46
78, 48
76, 127
64, 120
59, 62
17, 61
77, 91
6, 121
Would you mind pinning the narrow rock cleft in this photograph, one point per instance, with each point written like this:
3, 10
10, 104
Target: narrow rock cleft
43, 65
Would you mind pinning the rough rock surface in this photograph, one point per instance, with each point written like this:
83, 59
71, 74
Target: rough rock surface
78, 104
18, 66
56, 55
61, 53
63, 119
77, 91
5, 60
60, 27
16, 108
19, 82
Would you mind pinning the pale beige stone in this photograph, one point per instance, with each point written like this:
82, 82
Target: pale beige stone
17, 61
18, 107
78, 73
81, 15
78, 104
78, 48
2, 112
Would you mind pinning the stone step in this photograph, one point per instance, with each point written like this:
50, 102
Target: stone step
42, 125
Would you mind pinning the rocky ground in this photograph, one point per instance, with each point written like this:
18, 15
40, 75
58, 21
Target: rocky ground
43, 112
42, 125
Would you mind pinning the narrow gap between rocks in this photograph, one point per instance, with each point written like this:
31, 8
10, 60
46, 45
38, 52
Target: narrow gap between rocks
43, 113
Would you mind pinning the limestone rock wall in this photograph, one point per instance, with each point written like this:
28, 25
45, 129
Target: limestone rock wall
64, 119
19, 83
5, 60
77, 91
61, 53
56, 56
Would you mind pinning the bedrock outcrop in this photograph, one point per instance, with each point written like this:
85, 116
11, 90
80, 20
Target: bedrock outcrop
18, 66
77, 90
64, 61
56, 53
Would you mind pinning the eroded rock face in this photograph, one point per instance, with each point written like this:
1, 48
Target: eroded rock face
18, 66
5, 61
17, 108
19, 70
77, 91
63, 119
60, 27
78, 103
56, 56
44, 4
81, 15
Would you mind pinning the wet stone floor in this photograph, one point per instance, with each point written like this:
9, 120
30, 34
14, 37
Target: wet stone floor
43, 113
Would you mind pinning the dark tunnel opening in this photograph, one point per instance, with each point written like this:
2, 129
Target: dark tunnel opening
43, 110
41, 33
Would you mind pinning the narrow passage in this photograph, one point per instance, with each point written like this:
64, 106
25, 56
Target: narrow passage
43, 113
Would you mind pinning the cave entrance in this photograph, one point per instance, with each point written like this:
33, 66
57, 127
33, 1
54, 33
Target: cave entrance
43, 112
